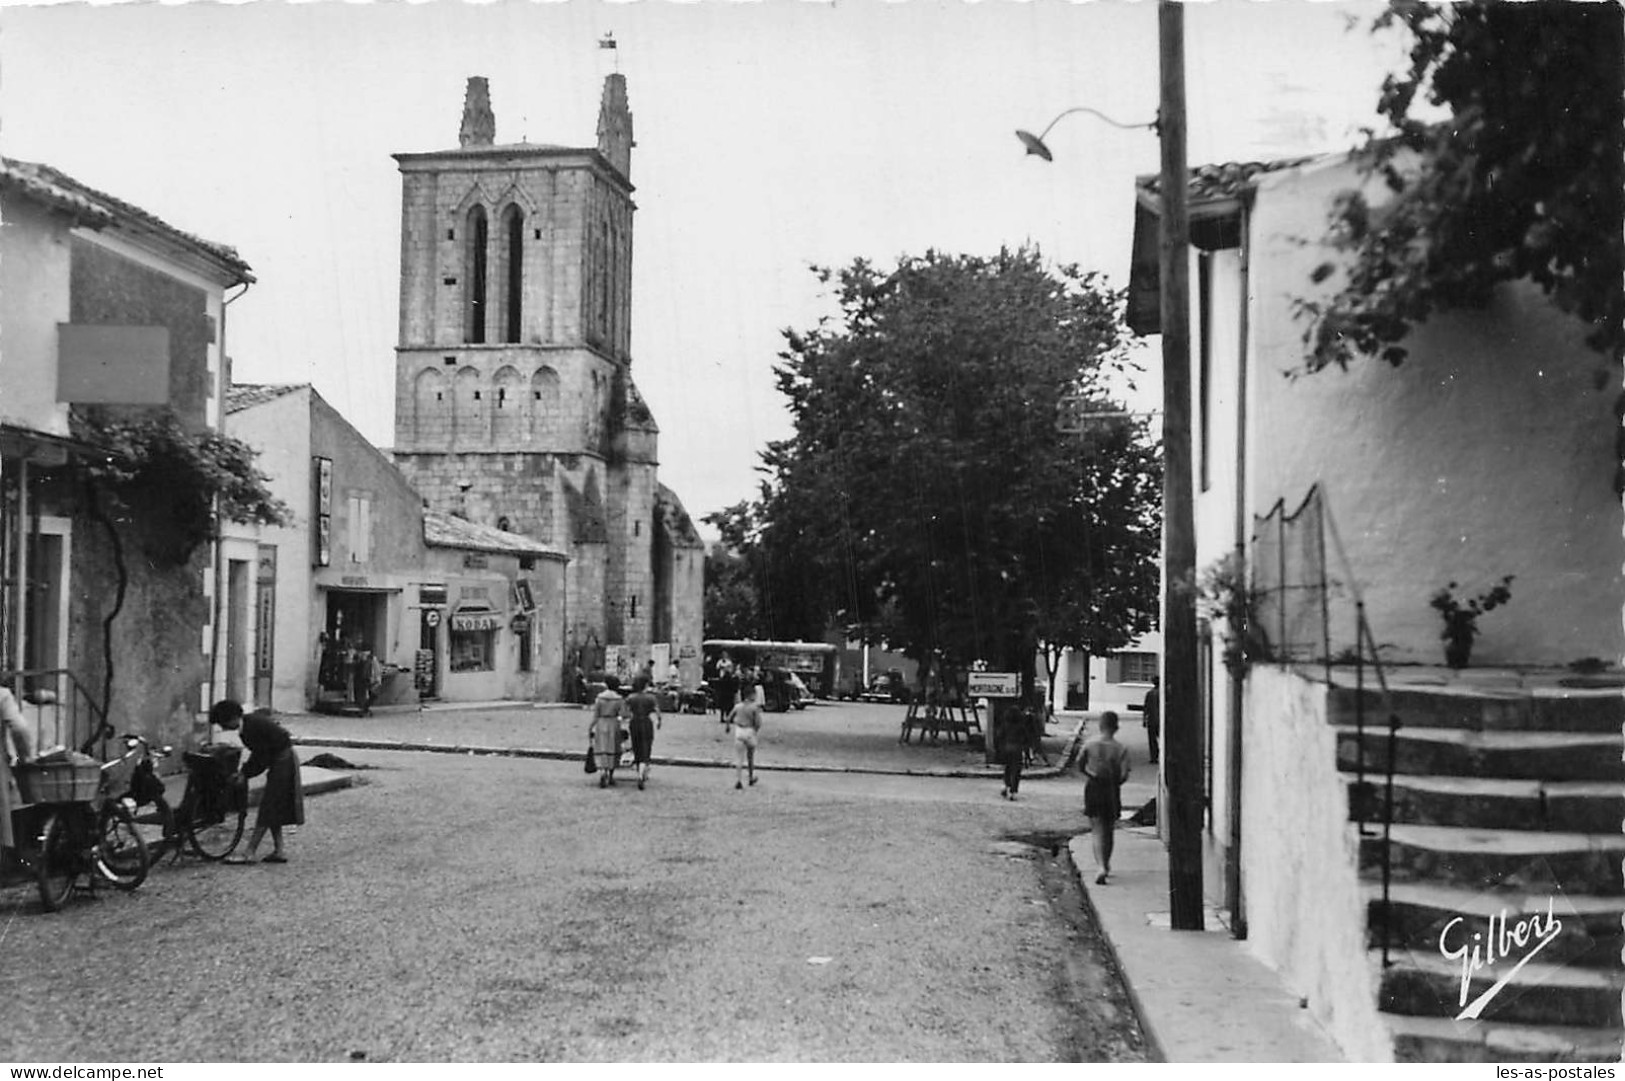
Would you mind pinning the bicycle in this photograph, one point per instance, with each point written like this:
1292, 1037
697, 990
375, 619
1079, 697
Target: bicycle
85, 827
213, 809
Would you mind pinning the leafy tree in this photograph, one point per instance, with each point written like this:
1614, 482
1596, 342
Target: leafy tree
1524, 180
732, 603
927, 496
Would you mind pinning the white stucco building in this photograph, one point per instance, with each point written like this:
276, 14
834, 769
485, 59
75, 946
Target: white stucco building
1491, 451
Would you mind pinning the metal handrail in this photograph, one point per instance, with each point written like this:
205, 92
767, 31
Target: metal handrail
1363, 640
42, 689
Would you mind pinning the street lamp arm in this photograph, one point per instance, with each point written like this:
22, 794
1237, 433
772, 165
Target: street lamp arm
1095, 113
1035, 143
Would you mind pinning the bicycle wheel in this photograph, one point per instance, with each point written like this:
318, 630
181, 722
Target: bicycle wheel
56, 864
121, 852
214, 830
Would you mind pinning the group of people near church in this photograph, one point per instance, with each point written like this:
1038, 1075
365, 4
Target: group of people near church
634, 718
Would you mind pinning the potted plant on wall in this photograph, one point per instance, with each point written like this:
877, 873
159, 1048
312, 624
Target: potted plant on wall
1461, 618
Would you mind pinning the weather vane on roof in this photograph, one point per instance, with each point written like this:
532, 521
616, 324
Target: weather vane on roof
608, 42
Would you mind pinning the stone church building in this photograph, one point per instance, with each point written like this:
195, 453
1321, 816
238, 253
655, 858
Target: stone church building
514, 400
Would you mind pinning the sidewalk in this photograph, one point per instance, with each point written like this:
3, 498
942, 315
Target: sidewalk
1200, 995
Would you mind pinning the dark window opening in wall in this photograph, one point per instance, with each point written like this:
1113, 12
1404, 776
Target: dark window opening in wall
474, 264
451, 234
1133, 667
634, 608
476, 395
449, 281
536, 234
439, 396
536, 394
527, 563
516, 268
637, 529
502, 396
449, 360
524, 642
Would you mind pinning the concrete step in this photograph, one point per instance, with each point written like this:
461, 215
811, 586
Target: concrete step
1538, 993
1527, 860
1443, 1039
1541, 709
1459, 752
1490, 803
1418, 912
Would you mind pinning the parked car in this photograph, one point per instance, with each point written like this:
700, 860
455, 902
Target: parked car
887, 686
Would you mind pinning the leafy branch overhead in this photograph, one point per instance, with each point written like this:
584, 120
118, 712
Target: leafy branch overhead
174, 476
1524, 180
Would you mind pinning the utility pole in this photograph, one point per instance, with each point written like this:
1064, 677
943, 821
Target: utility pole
1181, 745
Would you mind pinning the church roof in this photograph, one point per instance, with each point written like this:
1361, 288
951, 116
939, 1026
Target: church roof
674, 519
442, 530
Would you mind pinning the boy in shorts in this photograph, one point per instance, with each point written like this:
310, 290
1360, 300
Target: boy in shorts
746, 719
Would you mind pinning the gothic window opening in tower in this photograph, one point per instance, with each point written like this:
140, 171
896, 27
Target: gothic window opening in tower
510, 425
513, 220
474, 276
603, 275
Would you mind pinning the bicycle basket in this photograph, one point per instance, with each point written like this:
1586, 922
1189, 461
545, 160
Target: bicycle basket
58, 782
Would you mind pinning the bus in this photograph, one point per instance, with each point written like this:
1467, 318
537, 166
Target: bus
813, 662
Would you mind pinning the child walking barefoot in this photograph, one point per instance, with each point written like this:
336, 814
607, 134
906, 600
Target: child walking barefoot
1105, 763
746, 719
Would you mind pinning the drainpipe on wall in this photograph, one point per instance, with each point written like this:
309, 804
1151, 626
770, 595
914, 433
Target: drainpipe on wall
1234, 900
221, 383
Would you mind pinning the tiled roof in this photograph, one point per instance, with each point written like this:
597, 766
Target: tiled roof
1224, 180
1214, 204
241, 396
448, 531
98, 209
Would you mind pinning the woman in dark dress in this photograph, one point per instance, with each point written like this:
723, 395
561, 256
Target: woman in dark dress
644, 708
270, 751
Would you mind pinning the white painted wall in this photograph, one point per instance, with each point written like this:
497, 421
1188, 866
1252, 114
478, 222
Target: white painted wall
1306, 915
1489, 452
280, 431
34, 286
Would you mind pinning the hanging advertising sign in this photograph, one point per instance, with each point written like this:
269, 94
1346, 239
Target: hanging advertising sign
322, 478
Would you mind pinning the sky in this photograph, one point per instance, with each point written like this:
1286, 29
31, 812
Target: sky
771, 137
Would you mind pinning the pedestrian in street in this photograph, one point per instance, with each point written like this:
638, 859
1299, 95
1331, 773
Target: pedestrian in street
1105, 764
644, 707
1034, 716
270, 751
1009, 745
608, 711
727, 688
1153, 718
746, 719
15, 727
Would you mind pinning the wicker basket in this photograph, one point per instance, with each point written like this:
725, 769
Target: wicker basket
58, 782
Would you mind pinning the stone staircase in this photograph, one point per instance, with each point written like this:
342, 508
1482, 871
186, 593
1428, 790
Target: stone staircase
1505, 799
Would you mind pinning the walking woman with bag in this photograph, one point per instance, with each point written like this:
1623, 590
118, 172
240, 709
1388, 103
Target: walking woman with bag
608, 711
